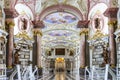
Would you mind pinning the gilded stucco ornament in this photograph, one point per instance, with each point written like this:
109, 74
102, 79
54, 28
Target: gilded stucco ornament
98, 35
84, 31
23, 35
37, 32
10, 23
112, 23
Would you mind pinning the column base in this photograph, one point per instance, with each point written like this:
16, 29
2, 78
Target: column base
9, 71
82, 71
40, 71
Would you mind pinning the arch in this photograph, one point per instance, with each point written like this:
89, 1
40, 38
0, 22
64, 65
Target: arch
61, 8
23, 9
97, 13
101, 6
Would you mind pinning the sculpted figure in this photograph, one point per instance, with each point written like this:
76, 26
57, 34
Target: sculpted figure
16, 57
97, 23
23, 24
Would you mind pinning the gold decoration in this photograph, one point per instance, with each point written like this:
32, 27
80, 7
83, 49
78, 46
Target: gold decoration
112, 23
84, 31
82, 66
9, 67
97, 35
59, 60
37, 32
10, 23
23, 35
91, 47
112, 66
39, 67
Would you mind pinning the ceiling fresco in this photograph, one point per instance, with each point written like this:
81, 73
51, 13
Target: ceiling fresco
61, 25
60, 33
60, 18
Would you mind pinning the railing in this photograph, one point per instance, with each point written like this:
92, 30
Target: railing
99, 73
32, 74
16, 71
13, 74
3, 72
26, 74
118, 73
19, 72
110, 70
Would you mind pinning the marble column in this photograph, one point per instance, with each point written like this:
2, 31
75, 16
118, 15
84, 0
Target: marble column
10, 14
112, 27
111, 13
10, 25
38, 34
83, 25
83, 33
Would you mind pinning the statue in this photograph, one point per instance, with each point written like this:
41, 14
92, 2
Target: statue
16, 57
105, 56
97, 23
23, 24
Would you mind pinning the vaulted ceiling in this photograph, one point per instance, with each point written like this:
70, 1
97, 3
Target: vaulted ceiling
61, 17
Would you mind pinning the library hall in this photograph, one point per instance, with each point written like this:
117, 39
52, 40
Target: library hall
59, 39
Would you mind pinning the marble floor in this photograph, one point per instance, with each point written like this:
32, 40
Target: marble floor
62, 76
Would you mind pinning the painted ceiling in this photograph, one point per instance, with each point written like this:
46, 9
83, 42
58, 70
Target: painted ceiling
61, 26
60, 18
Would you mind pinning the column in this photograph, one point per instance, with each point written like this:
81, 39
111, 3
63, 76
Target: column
9, 23
83, 34
112, 26
111, 13
38, 34
10, 47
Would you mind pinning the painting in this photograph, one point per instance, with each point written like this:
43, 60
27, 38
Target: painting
60, 18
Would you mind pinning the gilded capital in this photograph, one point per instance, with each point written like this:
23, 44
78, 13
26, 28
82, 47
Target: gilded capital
37, 32
84, 31
112, 23
9, 23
